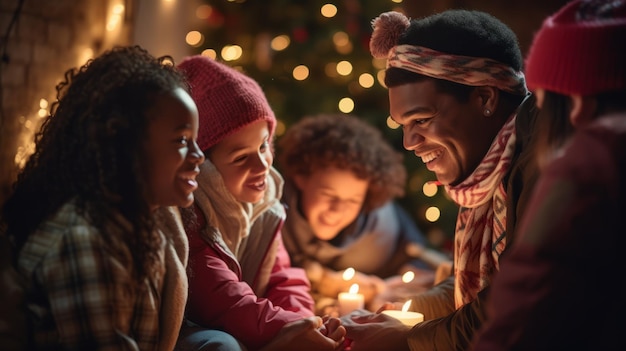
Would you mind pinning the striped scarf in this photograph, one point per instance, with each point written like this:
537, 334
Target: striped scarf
472, 71
481, 222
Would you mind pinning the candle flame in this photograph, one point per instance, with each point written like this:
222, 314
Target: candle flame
408, 276
349, 274
354, 288
406, 306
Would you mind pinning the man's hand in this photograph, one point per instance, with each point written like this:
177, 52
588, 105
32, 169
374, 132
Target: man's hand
368, 331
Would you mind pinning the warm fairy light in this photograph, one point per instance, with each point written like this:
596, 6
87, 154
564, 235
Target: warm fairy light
408, 276
43, 103
194, 38
231, 52
280, 42
380, 76
406, 306
392, 124
366, 80
432, 214
329, 10
344, 68
42, 113
430, 189
346, 105
348, 273
300, 72
354, 288
204, 12
209, 53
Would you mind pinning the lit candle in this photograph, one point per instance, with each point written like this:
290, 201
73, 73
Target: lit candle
351, 300
348, 274
405, 316
408, 277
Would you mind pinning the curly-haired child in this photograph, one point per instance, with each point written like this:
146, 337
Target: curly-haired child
119, 144
342, 179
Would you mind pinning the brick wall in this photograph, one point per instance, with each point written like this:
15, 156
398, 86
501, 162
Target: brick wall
47, 38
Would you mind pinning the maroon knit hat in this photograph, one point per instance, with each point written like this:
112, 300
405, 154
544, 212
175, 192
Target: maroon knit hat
581, 49
227, 99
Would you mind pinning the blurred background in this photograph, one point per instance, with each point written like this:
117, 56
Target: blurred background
309, 56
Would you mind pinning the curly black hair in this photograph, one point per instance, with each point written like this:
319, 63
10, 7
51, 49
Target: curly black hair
348, 143
459, 32
90, 150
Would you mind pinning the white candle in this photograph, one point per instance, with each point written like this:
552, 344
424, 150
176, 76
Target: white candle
405, 316
351, 300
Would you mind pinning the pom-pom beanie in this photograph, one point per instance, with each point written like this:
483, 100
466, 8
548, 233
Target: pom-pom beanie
227, 99
581, 49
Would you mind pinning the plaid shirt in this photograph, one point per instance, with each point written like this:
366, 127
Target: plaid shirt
81, 294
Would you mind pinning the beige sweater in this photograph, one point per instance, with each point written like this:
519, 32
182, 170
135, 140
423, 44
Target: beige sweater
175, 282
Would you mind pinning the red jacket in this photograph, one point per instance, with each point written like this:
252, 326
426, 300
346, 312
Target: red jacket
219, 297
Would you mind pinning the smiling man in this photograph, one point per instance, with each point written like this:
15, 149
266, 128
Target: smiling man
456, 88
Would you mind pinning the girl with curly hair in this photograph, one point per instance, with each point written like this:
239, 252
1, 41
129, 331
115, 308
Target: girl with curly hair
119, 144
342, 177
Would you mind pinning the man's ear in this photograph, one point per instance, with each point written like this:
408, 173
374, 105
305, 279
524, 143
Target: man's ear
488, 99
583, 109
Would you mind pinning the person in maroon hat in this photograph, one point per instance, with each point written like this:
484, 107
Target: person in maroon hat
241, 282
560, 286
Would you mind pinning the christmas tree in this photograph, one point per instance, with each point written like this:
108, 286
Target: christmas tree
313, 57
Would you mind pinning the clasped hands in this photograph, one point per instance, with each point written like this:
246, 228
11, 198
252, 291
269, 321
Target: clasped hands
360, 330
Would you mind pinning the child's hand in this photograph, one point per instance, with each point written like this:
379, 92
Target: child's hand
310, 333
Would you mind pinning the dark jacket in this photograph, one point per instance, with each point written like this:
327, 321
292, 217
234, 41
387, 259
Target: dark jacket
446, 328
548, 294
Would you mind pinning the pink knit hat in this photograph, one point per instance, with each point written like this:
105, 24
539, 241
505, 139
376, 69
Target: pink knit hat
227, 99
581, 49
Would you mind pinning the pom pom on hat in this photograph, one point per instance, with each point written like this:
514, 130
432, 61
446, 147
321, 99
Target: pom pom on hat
227, 99
580, 49
388, 27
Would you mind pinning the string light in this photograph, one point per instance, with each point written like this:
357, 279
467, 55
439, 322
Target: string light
300, 72
380, 77
209, 53
432, 214
430, 189
392, 124
346, 105
344, 68
231, 52
366, 80
194, 38
328, 10
280, 43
